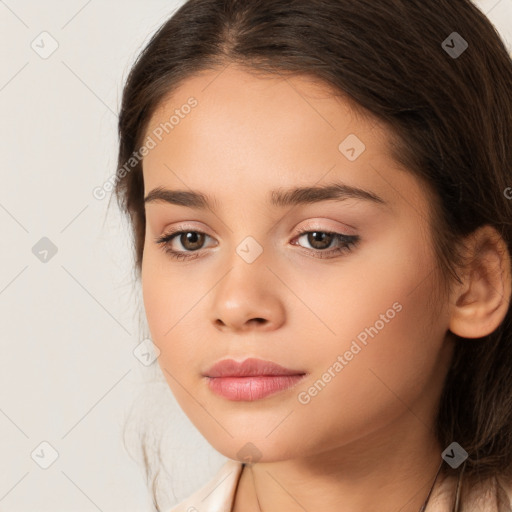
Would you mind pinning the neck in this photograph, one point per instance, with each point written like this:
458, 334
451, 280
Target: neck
384, 471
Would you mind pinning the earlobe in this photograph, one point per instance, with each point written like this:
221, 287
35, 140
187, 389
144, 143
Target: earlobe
481, 302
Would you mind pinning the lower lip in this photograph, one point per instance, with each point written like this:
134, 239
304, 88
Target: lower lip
251, 388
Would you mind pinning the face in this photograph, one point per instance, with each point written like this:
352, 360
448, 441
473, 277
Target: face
337, 287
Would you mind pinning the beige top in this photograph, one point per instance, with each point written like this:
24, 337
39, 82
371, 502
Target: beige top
218, 494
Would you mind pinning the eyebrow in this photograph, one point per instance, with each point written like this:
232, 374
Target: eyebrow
278, 198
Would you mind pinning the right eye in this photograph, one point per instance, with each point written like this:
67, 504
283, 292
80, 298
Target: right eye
191, 240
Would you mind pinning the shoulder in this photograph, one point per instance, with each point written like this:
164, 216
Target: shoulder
477, 496
217, 495
494, 494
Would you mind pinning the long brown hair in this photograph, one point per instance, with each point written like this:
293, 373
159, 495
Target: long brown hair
450, 116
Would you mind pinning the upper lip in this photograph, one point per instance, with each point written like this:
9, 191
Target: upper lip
248, 368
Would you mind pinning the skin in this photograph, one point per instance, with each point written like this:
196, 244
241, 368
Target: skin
371, 426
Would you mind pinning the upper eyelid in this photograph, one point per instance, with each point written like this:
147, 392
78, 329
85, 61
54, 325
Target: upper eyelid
317, 224
297, 232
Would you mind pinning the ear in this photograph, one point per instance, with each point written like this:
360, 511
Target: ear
480, 303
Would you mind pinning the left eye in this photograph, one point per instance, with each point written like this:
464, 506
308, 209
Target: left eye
321, 240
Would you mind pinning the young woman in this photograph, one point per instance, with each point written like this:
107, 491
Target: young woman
321, 200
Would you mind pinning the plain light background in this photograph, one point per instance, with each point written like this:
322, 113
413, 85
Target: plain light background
69, 376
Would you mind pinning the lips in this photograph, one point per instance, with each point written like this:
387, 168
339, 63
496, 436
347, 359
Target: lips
252, 379
249, 368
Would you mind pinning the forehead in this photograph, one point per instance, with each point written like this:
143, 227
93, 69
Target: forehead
235, 92
258, 117
250, 133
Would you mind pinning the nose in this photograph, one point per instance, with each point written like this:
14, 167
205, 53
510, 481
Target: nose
247, 298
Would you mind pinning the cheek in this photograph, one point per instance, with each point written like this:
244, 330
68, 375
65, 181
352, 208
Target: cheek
387, 334
387, 284
169, 303
385, 307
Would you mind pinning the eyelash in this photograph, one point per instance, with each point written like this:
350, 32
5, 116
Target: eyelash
348, 241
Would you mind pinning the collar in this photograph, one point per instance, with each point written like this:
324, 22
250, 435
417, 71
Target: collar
218, 494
